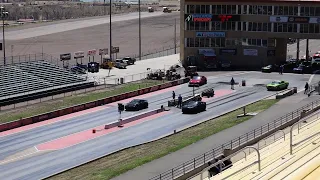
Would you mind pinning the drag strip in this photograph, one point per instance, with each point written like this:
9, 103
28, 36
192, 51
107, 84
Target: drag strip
43, 165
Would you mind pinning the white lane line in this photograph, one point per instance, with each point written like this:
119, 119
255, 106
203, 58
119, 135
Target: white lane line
310, 79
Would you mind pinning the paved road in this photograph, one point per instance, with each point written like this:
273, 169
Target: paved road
314, 46
157, 33
46, 163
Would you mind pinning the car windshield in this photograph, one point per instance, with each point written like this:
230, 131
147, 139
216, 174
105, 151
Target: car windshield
135, 101
126, 58
275, 82
269, 66
196, 78
301, 66
192, 103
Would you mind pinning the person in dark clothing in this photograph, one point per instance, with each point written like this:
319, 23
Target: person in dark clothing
232, 82
306, 88
173, 95
180, 101
281, 69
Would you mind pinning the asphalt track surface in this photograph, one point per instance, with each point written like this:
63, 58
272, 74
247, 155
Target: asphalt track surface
54, 39
44, 163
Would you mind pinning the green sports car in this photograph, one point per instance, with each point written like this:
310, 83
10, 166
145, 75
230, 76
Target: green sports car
277, 85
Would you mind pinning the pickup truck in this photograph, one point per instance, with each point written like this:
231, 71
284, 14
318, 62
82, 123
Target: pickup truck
129, 60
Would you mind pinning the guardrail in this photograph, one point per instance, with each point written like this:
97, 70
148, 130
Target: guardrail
201, 160
88, 105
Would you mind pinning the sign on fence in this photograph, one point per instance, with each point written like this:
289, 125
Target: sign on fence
115, 49
92, 52
65, 57
78, 55
103, 51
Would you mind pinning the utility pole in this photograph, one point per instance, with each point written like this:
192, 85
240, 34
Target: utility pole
175, 36
4, 14
104, 7
139, 30
110, 30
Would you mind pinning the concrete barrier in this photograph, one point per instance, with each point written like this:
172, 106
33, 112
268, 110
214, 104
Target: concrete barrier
285, 93
134, 118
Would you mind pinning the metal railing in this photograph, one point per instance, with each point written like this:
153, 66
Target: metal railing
165, 51
200, 160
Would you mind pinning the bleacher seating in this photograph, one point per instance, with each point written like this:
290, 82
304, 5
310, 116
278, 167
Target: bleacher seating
33, 77
276, 160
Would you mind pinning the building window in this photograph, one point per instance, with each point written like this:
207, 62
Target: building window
317, 11
205, 42
196, 26
254, 42
285, 27
258, 27
225, 26
310, 28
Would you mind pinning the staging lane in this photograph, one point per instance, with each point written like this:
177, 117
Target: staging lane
54, 161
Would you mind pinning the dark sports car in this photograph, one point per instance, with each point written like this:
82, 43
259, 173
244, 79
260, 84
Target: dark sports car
194, 107
136, 105
208, 92
269, 68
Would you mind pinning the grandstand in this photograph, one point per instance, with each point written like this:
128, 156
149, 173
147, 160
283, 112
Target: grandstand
30, 80
292, 156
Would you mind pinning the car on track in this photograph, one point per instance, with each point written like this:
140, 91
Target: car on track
269, 68
194, 107
136, 105
277, 85
208, 92
197, 81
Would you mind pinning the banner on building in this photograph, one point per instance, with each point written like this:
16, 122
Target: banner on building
103, 51
314, 20
205, 51
210, 34
78, 55
298, 19
225, 18
279, 19
198, 17
228, 51
92, 52
250, 52
65, 57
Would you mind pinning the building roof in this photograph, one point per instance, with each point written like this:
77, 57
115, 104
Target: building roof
259, 1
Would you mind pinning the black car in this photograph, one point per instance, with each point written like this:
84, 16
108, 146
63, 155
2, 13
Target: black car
208, 92
194, 107
129, 60
136, 105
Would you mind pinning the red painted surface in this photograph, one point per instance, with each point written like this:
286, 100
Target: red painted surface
80, 113
218, 93
143, 96
87, 135
51, 121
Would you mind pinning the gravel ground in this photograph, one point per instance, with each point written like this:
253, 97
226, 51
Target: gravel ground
157, 33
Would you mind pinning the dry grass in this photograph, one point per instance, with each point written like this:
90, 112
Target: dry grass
125, 160
48, 106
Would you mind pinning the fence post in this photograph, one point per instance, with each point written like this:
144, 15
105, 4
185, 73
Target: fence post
247, 137
172, 173
231, 144
268, 127
204, 158
261, 130
239, 141
184, 171
194, 163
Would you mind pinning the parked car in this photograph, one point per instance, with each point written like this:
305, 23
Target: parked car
136, 105
130, 61
77, 70
208, 92
301, 69
119, 63
197, 81
277, 85
269, 68
194, 107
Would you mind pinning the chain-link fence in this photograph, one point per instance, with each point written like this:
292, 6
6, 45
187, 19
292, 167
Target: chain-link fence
165, 51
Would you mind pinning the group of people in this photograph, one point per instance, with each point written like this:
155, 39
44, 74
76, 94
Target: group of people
179, 105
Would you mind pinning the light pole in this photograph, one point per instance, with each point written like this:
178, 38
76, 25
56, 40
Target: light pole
139, 30
110, 9
4, 14
175, 36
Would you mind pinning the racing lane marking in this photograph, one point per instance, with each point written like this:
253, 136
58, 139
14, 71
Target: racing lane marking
87, 135
81, 113
218, 93
51, 121
310, 79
